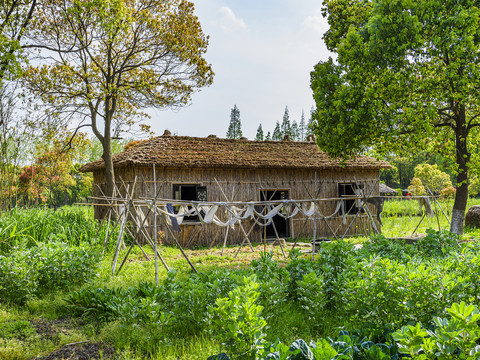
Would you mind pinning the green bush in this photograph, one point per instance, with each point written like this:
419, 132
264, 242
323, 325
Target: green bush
297, 268
312, 298
61, 266
238, 323
379, 245
273, 282
454, 338
43, 269
335, 261
18, 277
437, 243
99, 305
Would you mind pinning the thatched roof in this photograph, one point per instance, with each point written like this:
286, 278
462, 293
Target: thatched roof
212, 152
384, 189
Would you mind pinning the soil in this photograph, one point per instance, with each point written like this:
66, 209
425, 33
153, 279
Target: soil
82, 351
51, 329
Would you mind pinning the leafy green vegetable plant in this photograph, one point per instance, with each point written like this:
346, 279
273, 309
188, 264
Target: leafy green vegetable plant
454, 338
238, 323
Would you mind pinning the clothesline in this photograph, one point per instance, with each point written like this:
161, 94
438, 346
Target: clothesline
261, 215
261, 212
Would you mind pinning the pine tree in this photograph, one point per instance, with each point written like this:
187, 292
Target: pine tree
302, 127
310, 121
235, 127
286, 128
277, 133
294, 133
268, 137
259, 136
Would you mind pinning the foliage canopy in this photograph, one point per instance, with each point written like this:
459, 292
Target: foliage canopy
407, 75
107, 61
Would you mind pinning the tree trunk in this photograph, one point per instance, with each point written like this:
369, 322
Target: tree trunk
463, 156
107, 158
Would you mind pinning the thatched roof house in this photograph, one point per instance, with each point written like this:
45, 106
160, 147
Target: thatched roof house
212, 168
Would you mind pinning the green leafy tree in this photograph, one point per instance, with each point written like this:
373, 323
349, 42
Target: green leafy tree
286, 127
302, 128
268, 137
15, 18
277, 133
259, 136
432, 177
407, 75
106, 61
235, 127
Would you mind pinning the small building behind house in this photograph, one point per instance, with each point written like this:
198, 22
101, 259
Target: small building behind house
387, 191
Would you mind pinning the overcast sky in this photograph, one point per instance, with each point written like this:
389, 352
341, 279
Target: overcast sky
262, 53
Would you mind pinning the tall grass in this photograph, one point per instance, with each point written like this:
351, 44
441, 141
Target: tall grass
411, 207
401, 216
71, 224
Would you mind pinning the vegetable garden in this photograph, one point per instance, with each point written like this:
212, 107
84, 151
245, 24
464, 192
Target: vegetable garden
383, 300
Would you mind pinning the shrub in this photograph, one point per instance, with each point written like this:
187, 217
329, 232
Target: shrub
267, 268
387, 294
335, 260
416, 187
42, 269
297, 268
454, 338
448, 192
60, 266
437, 243
238, 323
433, 177
18, 278
379, 245
101, 304
312, 298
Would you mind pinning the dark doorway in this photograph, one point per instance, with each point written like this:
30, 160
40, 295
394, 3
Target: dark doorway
281, 224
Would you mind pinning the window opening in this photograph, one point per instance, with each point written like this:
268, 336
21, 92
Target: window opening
189, 192
352, 206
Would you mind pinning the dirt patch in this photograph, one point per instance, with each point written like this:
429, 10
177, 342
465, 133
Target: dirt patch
82, 351
50, 329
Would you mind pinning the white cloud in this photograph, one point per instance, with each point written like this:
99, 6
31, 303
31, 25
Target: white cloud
229, 21
316, 22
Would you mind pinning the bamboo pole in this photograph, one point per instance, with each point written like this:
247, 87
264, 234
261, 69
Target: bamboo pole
435, 199
314, 240
178, 244
155, 224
